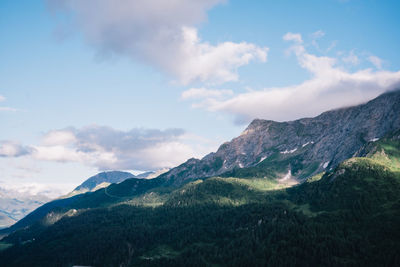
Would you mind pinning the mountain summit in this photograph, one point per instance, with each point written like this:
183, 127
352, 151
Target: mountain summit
299, 148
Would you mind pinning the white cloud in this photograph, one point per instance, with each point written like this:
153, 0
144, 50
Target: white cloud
329, 87
8, 109
108, 149
293, 37
13, 149
318, 34
168, 154
50, 178
332, 46
351, 58
2, 98
27, 190
315, 36
376, 61
65, 154
61, 137
162, 34
196, 93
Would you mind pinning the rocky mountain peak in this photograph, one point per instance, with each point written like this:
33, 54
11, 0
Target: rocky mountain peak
315, 144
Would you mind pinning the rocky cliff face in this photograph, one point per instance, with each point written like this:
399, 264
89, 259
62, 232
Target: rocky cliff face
321, 142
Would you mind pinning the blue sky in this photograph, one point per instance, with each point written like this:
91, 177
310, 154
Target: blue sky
140, 85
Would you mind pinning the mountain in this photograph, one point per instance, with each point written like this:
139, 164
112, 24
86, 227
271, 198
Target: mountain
283, 153
329, 220
37, 210
101, 180
299, 148
104, 179
152, 174
15, 205
309, 192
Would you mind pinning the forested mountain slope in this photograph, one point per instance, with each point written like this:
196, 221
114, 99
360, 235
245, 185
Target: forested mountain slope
347, 216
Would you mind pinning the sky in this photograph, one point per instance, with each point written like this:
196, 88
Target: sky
138, 85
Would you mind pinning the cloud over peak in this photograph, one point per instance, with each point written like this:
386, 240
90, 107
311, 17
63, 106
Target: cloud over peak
162, 34
329, 86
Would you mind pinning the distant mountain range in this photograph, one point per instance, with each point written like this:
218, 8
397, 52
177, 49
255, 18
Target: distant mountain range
321, 191
15, 205
101, 180
104, 179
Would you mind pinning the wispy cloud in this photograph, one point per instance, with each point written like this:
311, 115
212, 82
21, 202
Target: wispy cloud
162, 34
296, 37
318, 34
196, 93
315, 36
376, 61
27, 190
8, 109
351, 58
329, 87
2, 98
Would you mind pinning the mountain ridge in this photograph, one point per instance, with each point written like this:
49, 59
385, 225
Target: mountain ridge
354, 126
100, 180
16, 205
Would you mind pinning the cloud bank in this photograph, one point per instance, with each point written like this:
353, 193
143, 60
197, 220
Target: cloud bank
329, 87
109, 149
23, 191
162, 34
